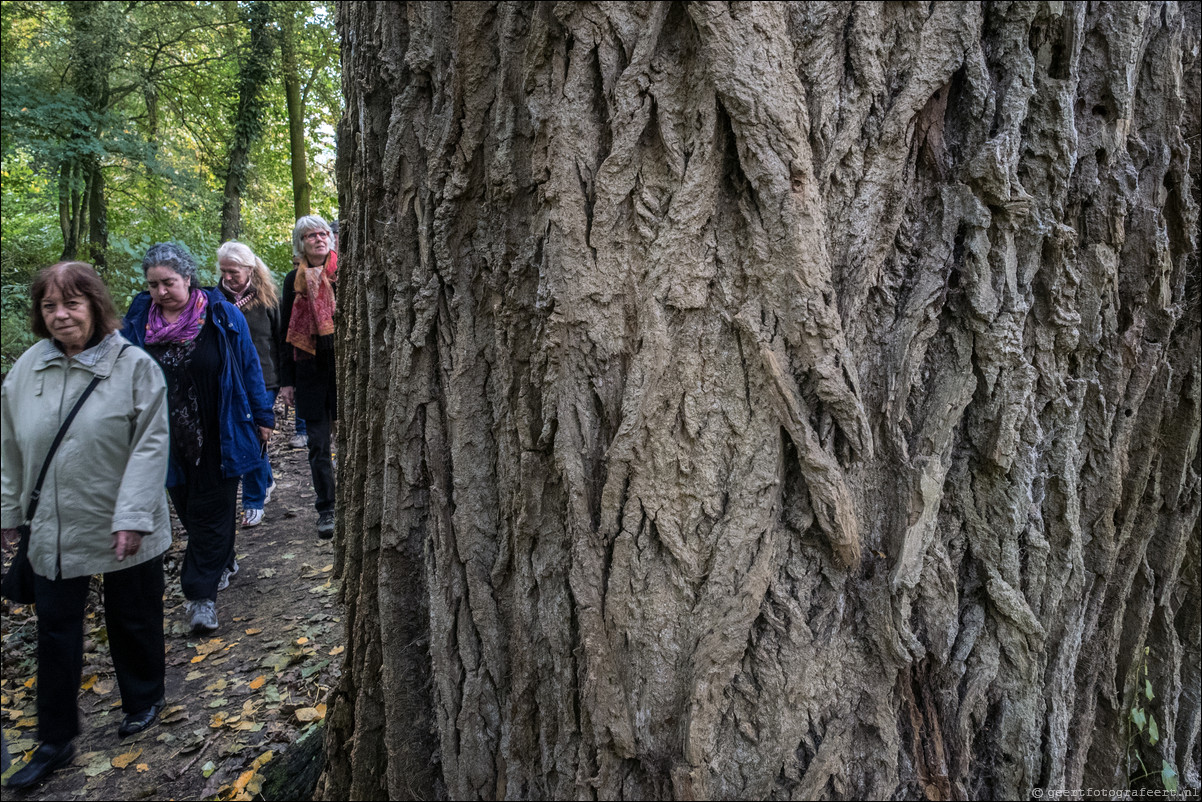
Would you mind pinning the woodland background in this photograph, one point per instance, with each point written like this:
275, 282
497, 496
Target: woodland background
129, 123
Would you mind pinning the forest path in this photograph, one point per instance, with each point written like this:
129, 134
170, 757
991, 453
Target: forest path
235, 700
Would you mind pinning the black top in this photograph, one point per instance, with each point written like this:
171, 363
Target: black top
312, 376
193, 374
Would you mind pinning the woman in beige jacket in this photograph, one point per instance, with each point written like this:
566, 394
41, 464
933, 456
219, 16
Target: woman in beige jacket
102, 509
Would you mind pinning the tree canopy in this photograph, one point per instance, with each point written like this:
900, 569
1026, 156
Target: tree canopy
120, 123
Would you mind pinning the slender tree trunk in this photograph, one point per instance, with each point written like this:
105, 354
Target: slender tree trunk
301, 187
767, 400
98, 228
97, 33
68, 209
248, 118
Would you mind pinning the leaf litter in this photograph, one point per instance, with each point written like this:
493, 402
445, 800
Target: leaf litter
234, 700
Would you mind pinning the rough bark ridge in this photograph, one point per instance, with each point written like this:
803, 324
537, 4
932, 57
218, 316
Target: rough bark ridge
766, 400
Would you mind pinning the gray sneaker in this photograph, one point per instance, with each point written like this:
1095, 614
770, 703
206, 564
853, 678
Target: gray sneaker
325, 524
203, 615
227, 575
299, 441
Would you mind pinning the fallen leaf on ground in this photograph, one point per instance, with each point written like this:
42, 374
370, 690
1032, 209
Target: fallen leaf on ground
199, 657
307, 714
99, 765
89, 682
174, 714
142, 767
102, 687
258, 682
337, 650
122, 761
253, 631
210, 647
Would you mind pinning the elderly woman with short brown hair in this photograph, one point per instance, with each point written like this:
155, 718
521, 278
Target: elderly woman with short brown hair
102, 507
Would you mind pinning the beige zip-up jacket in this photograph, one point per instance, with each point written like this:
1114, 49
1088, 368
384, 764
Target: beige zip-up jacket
110, 469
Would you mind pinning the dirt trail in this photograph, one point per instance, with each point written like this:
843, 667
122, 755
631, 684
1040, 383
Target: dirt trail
235, 701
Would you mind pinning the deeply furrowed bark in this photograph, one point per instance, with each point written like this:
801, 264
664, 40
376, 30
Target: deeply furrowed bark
767, 400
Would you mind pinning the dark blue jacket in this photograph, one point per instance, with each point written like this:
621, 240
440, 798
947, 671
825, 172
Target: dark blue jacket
244, 404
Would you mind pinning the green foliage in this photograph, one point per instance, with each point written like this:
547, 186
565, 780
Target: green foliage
159, 121
1144, 721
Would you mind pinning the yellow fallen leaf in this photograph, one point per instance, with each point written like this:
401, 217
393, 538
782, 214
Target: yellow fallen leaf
25, 723
210, 647
142, 767
121, 761
301, 641
258, 682
29, 683
217, 721
199, 657
307, 714
321, 708
253, 631
329, 567
337, 650
263, 759
243, 779
102, 687
89, 682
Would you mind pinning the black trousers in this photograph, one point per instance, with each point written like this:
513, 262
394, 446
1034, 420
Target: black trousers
133, 613
321, 466
210, 515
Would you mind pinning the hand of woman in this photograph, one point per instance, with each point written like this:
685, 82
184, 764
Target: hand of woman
264, 434
126, 543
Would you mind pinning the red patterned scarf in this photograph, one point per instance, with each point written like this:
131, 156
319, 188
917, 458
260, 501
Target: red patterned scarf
313, 307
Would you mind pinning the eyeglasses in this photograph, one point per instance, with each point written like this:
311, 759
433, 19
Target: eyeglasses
316, 235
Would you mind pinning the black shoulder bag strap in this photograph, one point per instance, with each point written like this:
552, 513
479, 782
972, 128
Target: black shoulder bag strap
58, 438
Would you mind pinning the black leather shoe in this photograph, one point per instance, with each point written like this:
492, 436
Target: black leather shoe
45, 761
136, 722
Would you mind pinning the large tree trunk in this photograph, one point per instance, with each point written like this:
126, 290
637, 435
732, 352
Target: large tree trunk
767, 400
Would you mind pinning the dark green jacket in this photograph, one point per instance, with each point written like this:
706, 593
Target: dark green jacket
264, 325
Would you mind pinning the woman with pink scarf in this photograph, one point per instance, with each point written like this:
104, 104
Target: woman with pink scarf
220, 412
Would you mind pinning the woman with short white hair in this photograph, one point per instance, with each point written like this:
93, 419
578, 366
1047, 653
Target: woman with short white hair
307, 353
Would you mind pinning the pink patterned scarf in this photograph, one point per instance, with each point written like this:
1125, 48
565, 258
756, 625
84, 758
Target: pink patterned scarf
185, 327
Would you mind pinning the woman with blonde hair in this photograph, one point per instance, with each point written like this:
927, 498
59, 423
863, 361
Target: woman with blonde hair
248, 285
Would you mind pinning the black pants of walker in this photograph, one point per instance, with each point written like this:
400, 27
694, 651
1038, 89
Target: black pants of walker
133, 613
210, 515
321, 465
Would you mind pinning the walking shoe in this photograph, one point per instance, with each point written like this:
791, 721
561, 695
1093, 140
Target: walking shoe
270, 490
251, 518
227, 575
136, 722
47, 759
203, 615
325, 524
299, 441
